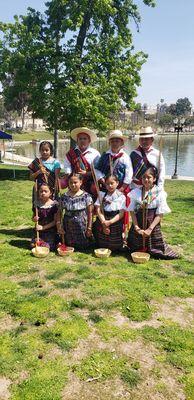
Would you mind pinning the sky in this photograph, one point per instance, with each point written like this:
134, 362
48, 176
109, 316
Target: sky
166, 35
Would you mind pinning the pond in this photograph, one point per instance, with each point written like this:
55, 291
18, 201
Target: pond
185, 153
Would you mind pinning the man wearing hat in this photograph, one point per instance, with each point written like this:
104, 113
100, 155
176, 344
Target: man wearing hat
80, 158
115, 161
146, 156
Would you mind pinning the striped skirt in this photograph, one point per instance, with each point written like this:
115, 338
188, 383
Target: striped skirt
113, 241
75, 225
155, 243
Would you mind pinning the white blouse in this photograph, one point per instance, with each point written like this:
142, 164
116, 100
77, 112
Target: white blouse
113, 202
156, 200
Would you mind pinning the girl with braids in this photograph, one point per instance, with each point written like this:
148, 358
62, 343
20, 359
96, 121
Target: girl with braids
108, 227
77, 220
47, 210
147, 207
45, 169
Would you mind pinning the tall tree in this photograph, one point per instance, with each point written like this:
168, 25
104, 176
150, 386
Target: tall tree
76, 62
183, 106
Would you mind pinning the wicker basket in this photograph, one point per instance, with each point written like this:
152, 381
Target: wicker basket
102, 253
40, 251
66, 252
139, 257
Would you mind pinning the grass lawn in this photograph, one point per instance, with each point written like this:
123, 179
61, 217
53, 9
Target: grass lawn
31, 135
86, 328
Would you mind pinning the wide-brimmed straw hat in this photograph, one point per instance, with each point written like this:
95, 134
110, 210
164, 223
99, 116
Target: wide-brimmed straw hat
75, 132
116, 134
147, 132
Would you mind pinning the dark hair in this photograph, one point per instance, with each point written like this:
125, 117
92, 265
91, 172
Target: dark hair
45, 184
111, 176
44, 143
77, 175
153, 171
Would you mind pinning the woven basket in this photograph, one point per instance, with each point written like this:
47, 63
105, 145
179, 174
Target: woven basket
139, 257
66, 252
40, 251
102, 253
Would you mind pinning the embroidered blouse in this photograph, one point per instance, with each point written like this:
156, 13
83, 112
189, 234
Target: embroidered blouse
112, 202
155, 199
76, 203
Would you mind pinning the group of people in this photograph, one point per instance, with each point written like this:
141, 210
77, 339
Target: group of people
101, 191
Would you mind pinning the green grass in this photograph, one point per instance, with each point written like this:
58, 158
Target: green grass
79, 316
32, 135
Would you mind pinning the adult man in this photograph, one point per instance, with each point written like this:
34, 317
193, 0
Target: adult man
146, 156
80, 158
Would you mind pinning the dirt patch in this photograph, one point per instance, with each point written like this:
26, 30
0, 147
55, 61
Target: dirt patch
4, 388
54, 353
140, 352
7, 323
159, 381
87, 346
68, 294
67, 260
94, 390
159, 389
120, 320
178, 310
22, 377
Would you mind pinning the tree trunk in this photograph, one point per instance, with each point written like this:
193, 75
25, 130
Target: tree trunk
84, 27
23, 118
55, 143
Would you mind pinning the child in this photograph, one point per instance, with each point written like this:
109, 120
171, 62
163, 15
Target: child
77, 221
45, 169
108, 227
47, 210
147, 206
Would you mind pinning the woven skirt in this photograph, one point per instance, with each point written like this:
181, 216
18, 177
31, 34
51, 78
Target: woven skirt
155, 243
75, 226
113, 241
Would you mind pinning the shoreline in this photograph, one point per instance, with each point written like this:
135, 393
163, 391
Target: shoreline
18, 163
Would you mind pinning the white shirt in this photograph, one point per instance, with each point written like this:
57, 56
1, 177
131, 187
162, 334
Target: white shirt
90, 154
113, 202
153, 156
125, 159
159, 202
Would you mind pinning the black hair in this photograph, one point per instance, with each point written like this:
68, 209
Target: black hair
44, 143
77, 175
153, 171
111, 176
47, 185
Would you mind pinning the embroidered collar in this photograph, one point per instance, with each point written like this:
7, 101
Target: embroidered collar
109, 151
88, 150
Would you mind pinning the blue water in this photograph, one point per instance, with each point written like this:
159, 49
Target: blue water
185, 153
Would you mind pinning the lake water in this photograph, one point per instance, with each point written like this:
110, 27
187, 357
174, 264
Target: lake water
185, 153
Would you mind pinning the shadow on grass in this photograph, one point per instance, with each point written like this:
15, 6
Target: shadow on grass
9, 174
21, 233
21, 244
188, 200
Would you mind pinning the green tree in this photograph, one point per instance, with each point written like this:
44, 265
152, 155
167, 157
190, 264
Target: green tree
183, 106
172, 109
76, 63
166, 121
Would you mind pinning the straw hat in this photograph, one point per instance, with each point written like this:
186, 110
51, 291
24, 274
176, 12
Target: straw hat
116, 134
147, 132
75, 132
